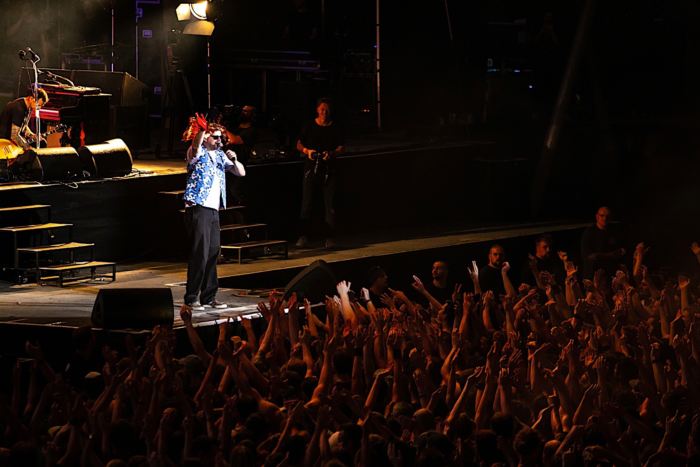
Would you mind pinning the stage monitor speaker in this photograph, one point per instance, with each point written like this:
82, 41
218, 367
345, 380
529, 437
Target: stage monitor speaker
59, 164
313, 283
133, 308
109, 159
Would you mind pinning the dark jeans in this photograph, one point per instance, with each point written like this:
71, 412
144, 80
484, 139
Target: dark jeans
326, 182
204, 236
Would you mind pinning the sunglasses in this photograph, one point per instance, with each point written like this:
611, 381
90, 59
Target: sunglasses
216, 136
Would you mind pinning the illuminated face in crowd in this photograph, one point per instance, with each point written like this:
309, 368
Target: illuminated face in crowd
601, 217
496, 256
542, 249
439, 270
323, 111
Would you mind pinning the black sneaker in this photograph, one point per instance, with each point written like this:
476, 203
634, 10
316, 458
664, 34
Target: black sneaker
216, 305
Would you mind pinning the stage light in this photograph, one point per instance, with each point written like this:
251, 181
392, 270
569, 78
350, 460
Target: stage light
195, 14
199, 10
189, 11
183, 12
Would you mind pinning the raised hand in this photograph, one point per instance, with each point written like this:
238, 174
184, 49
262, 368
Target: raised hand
456, 293
563, 255
186, 313
418, 284
640, 250
343, 287
364, 293
505, 267
474, 272
264, 311
489, 297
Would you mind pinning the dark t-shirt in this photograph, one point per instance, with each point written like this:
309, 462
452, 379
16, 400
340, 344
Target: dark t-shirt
440, 294
14, 113
490, 279
552, 264
595, 240
322, 138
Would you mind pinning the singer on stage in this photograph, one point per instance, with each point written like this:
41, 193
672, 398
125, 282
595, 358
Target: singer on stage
16, 118
205, 194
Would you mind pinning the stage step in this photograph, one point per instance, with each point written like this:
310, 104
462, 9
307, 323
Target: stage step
30, 207
35, 227
237, 227
69, 246
177, 193
60, 272
266, 245
11, 215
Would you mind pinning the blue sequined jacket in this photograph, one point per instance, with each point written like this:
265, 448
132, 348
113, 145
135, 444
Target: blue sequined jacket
202, 170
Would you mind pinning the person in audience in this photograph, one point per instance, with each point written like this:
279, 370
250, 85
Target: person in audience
494, 276
600, 246
543, 261
599, 373
377, 285
440, 289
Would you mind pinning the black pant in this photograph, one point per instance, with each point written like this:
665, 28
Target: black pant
204, 236
326, 180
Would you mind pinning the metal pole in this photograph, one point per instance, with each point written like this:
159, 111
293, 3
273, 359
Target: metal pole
377, 64
111, 65
35, 94
449, 21
208, 73
136, 39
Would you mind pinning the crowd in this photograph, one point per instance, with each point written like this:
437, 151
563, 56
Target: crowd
561, 369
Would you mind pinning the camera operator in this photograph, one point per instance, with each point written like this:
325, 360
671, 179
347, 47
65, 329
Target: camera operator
320, 142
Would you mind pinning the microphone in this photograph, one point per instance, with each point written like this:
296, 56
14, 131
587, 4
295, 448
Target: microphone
28, 54
33, 54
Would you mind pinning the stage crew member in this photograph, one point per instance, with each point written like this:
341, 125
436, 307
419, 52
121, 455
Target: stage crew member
204, 195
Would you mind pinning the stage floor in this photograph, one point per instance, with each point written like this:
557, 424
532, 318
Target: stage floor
31, 304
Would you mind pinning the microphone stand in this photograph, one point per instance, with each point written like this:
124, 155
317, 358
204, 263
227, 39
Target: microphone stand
56, 77
35, 95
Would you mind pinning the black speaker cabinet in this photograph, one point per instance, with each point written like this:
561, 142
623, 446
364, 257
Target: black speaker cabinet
313, 283
48, 164
133, 308
109, 159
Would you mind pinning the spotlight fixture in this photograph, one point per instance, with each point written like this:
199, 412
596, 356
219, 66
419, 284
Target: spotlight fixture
196, 16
